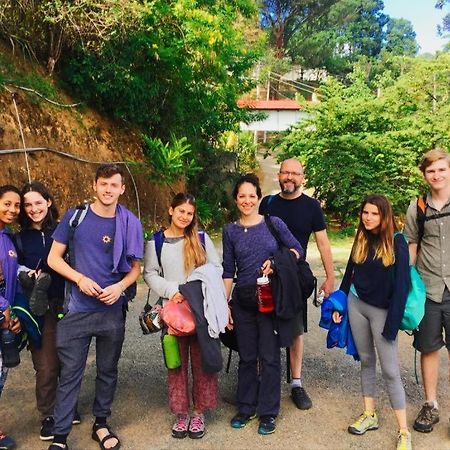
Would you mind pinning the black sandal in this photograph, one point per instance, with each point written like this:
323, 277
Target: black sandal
101, 442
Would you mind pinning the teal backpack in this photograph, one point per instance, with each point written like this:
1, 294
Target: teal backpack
415, 302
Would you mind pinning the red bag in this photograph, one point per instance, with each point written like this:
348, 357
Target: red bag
179, 318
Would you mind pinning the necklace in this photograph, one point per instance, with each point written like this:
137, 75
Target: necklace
246, 227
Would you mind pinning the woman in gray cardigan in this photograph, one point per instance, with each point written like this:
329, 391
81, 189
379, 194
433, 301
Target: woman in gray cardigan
181, 253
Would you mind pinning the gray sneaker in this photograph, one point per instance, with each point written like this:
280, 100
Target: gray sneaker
427, 417
365, 422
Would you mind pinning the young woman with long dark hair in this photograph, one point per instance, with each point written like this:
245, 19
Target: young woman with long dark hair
377, 283
45, 290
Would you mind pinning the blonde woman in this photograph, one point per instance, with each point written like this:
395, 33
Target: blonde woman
377, 282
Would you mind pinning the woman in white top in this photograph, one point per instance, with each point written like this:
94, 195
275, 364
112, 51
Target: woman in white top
181, 253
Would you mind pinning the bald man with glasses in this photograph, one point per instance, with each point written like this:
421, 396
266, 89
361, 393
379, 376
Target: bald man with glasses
303, 216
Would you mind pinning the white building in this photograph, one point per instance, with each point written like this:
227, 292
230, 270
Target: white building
281, 114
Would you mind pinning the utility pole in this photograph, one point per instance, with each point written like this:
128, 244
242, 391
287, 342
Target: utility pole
434, 93
267, 98
258, 94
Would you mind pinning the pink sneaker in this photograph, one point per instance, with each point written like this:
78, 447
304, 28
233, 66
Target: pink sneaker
180, 427
197, 426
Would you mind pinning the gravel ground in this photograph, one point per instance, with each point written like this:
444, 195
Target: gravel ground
142, 420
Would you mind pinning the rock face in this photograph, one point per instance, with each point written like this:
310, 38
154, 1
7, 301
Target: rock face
84, 134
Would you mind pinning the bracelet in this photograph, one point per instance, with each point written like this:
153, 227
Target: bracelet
79, 281
122, 286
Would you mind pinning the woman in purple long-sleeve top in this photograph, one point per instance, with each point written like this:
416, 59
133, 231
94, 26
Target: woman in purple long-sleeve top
9, 210
247, 247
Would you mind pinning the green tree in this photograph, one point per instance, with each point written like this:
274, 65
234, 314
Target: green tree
181, 71
400, 38
445, 26
356, 142
45, 29
349, 30
282, 18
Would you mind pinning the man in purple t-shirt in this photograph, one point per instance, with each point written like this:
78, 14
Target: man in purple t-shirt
107, 245
303, 216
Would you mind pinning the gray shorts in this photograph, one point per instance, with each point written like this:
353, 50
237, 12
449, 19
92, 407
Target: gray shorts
436, 321
298, 325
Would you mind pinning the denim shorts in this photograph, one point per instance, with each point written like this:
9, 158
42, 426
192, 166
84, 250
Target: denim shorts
434, 330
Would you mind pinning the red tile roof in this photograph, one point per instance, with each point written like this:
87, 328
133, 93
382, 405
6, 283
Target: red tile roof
286, 104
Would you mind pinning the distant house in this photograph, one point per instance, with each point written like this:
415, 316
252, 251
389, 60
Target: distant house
298, 73
281, 114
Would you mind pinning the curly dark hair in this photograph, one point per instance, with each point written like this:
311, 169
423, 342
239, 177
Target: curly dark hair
247, 178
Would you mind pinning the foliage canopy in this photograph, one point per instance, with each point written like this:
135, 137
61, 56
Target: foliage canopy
356, 142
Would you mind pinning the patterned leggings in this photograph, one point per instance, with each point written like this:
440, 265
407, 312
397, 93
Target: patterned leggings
204, 385
3, 374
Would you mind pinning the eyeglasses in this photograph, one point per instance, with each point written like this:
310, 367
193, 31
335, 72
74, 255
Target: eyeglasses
286, 173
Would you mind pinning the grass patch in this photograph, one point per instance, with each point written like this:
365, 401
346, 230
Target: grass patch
10, 74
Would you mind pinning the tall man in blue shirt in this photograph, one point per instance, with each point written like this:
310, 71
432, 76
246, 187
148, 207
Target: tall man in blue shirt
107, 245
303, 216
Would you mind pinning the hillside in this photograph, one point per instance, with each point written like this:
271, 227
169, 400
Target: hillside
78, 131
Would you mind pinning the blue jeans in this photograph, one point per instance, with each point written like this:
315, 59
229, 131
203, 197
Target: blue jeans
74, 334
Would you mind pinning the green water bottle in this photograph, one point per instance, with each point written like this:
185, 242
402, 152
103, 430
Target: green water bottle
171, 351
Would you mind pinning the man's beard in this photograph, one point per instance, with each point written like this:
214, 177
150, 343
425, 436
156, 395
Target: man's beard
289, 190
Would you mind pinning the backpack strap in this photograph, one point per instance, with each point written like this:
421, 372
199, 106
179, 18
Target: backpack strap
266, 201
76, 219
201, 236
79, 215
158, 237
273, 230
421, 216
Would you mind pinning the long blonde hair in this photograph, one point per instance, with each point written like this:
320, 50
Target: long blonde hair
384, 239
194, 254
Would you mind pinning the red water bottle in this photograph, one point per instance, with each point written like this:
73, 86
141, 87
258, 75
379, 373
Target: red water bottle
264, 294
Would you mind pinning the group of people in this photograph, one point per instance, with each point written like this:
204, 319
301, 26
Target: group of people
104, 244
73, 300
